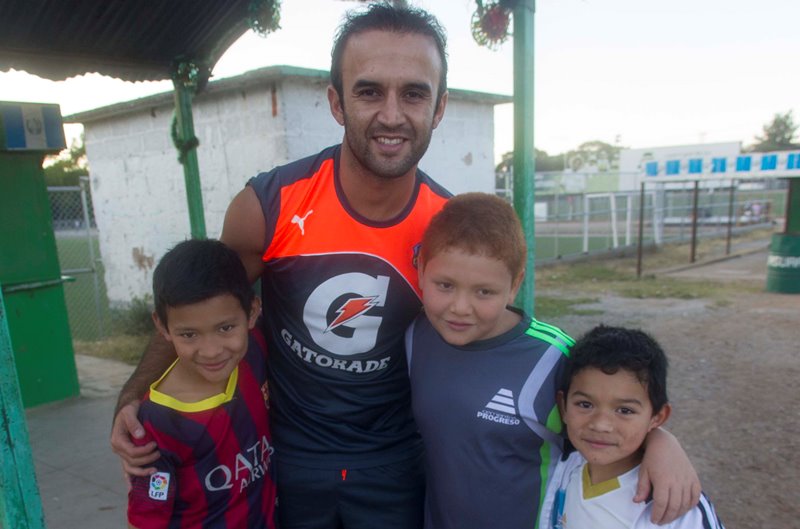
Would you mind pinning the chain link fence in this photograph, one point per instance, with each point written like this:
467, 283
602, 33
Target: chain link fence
79, 257
571, 225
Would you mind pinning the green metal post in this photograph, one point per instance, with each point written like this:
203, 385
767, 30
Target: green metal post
185, 87
36, 310
524, 164
20, 503
793, 207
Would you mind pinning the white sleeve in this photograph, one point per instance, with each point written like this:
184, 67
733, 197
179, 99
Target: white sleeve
702, 516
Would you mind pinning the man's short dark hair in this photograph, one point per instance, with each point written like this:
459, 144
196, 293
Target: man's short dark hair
197, 270
386, 17
610, 349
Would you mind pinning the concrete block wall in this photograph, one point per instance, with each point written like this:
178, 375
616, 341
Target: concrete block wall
461, 153
310, 127
135, 178
138, 185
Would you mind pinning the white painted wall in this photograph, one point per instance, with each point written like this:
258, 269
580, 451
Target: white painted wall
138, 185
461, 153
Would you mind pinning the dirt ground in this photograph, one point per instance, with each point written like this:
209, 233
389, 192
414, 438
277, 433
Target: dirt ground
734, 385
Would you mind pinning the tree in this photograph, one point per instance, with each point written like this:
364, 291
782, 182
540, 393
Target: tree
778, 134
66, 168
594, 153
544, 162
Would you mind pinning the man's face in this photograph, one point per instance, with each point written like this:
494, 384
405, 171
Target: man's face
389, 100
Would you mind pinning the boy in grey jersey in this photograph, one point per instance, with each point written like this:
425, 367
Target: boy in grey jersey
484, 375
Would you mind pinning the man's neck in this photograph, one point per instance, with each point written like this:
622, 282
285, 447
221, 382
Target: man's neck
371, 196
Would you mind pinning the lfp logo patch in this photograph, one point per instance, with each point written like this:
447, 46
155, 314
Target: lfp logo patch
159, 486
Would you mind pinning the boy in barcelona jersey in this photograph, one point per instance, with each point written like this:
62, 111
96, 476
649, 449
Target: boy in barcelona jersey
207, 412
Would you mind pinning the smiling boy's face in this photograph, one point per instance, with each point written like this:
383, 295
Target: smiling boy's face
210, 336
608, 418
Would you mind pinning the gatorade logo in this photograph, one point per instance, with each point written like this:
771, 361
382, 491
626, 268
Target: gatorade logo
337, 313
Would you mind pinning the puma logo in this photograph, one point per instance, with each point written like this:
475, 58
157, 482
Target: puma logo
300, 221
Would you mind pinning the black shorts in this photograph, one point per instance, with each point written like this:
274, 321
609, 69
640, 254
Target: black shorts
385, 497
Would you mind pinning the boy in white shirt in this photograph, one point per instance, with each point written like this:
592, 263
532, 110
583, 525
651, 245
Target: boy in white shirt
615, 393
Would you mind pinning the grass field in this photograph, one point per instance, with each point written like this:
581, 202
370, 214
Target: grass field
87, 302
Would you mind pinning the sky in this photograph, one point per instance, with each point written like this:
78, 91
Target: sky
637, 73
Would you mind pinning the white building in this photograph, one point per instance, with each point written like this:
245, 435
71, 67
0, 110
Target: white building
246, 124
638, 164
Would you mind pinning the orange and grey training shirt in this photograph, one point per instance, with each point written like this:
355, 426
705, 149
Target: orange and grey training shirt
339, 292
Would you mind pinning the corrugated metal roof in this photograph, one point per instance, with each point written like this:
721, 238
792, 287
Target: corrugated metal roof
134, 40
259, 77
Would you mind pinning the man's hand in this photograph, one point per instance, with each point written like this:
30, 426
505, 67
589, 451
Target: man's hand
134, 458
675, 485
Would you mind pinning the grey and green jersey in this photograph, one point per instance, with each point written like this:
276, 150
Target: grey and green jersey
489, 422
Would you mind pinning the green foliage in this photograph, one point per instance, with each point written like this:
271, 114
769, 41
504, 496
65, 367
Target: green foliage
778, 134
68, 166
594, 153
590, 153
135, 319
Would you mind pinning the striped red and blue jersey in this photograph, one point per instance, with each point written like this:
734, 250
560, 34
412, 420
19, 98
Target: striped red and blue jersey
216, 467
339, 291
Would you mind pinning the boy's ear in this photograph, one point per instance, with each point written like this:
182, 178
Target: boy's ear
661, 417
255, 312
420, 271
160, 327
516, 284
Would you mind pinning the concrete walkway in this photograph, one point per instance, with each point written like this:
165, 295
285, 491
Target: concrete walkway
80, 479
747, 262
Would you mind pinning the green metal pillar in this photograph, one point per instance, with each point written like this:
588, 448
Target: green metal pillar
793, 207
30, 274
20, 503
185, 82
524, 163
783, 263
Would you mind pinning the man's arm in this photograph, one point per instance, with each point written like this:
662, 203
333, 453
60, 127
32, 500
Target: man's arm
675, 485
244, 230
157, 357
